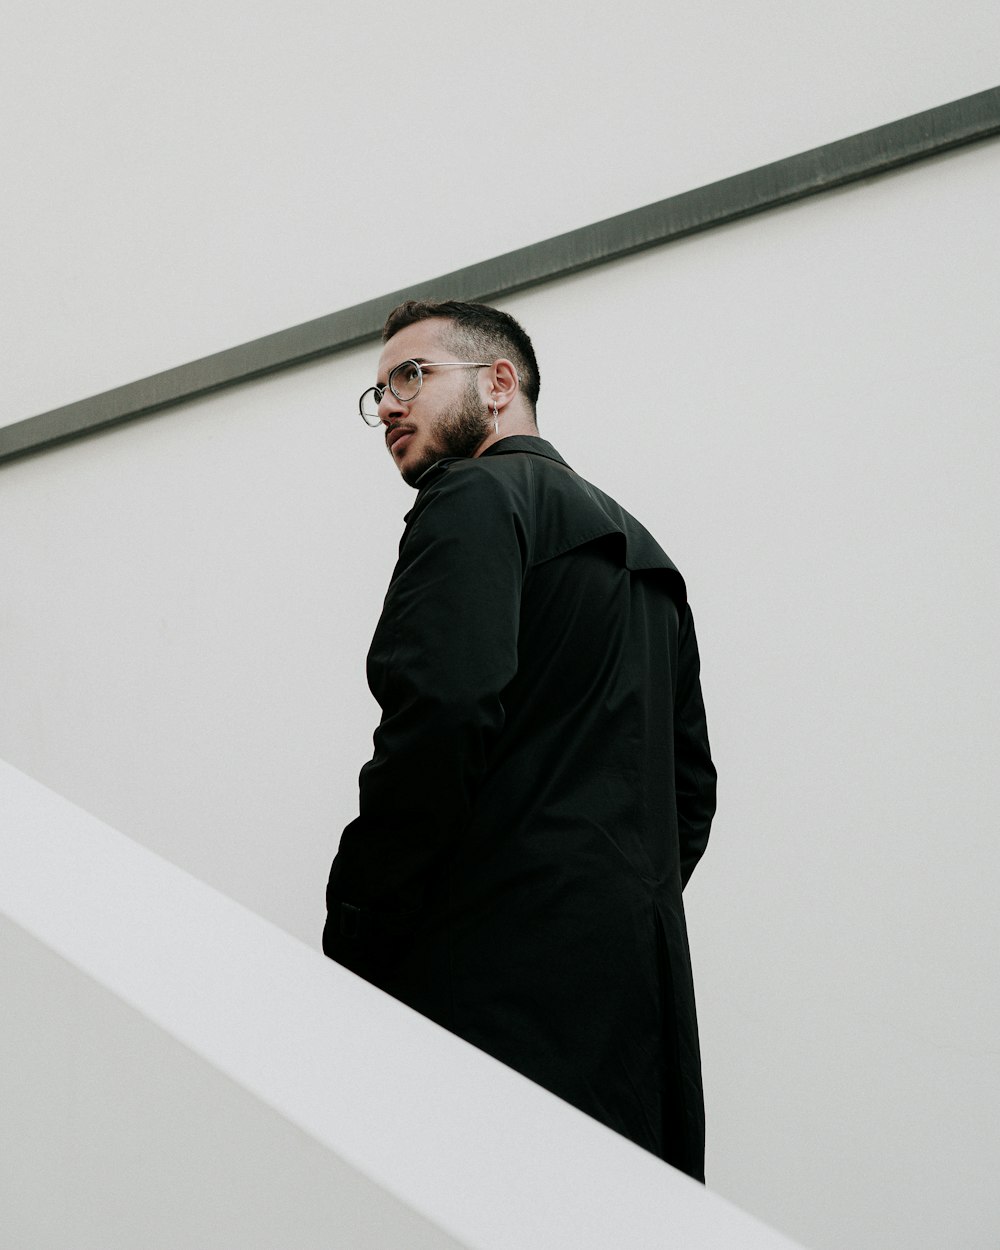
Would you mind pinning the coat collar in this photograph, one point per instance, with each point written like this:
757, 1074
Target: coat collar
523, 443
529, 443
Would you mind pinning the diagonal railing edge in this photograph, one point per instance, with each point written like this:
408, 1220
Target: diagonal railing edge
865, 155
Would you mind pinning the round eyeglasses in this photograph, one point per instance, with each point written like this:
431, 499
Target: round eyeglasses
405, 382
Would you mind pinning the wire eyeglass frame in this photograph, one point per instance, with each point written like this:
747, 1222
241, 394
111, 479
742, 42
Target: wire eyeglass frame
374, 394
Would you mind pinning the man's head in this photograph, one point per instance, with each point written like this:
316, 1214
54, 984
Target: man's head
478, 382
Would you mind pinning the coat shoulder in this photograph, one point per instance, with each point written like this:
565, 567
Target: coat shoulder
555, 508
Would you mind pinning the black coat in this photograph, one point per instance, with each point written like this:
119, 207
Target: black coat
541, 790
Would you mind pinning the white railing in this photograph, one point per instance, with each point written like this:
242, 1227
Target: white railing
176, 1071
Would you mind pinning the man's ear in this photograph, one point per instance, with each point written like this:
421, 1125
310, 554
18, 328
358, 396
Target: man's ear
503, 383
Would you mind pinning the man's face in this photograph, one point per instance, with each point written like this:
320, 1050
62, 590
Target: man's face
449, 417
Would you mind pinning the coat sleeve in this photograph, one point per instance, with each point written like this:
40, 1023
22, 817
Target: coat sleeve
444, 650
694, 772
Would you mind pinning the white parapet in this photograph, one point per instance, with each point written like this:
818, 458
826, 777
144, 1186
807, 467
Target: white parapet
177, 1072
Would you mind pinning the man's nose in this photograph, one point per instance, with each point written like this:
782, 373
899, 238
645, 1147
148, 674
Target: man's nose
390, 408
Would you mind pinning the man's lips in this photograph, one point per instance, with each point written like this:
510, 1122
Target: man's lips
396, 433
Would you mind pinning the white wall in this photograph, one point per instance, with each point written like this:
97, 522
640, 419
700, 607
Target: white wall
115, 1134
181, 178
802, 406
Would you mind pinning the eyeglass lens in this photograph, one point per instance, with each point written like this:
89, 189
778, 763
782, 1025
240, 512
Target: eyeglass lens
404, 382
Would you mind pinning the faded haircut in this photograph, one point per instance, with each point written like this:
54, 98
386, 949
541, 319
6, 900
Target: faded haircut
477, 331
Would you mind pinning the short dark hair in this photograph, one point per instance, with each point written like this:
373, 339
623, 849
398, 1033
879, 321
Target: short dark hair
478, 330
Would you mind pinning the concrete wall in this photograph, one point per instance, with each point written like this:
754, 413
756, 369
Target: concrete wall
179, 179
802, 406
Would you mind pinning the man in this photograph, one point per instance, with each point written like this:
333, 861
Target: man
541, 787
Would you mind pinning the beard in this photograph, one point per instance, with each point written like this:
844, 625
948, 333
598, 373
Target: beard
457, 432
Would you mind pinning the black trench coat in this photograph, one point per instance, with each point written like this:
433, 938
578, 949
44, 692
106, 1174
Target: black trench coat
540, 791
